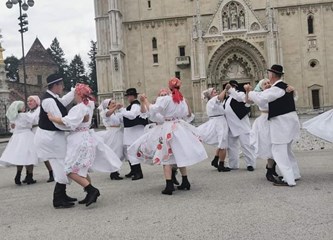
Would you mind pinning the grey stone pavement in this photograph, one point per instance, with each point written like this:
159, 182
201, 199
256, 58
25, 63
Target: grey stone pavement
235, 205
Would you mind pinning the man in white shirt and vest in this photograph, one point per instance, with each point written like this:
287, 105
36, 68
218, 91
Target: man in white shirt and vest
133, 128
236, 113
284, 125
50, 139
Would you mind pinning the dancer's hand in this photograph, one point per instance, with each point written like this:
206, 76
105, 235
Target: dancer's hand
143, 98
248, 87
290, 89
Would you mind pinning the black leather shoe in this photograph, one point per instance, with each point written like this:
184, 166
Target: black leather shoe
92, 196
17, 178
137, 176
129, 175
83, 201
115, 176
222, 168
250, 168
29, 179
185, 184
51, 178
173, 177
281, 184
62, 204
69, 199
215, 162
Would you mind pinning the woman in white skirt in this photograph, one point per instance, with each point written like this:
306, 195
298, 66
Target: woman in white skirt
260, 134
18, 151
85, 150
321, 126
34, 109
114, 134
215, 130
176, 141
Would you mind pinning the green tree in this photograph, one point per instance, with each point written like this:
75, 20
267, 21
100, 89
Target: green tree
11, 66
58, 56
76, 71
92, 67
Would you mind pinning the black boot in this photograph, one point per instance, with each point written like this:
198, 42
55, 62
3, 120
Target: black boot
29, 179
270, 175
169, 188
137, 172
131, 173
115, 176
222, 168
59, 197
185, 184
25, 179
18, 178
274, 170
173, 176
92, 194
51, 178
215, 162
68, 198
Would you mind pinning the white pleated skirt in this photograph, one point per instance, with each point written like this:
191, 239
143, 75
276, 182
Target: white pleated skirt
214, 132
20, 150
173, 142
321, 126
260, 137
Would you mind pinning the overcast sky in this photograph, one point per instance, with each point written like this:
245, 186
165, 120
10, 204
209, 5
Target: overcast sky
71, 21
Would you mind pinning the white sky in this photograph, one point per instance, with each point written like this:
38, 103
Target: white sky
71, 21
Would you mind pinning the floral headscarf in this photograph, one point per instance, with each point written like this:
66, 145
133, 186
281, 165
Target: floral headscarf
85, 92
163, 92
14, 109
174, 85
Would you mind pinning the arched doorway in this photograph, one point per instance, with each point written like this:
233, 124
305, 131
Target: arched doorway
238, 60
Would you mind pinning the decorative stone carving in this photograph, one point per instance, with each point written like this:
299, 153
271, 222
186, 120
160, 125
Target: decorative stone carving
255, 26
233, 16
213, 30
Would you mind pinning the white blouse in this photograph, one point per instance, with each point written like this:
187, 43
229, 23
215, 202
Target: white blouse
168, 108
75, 116
214, 107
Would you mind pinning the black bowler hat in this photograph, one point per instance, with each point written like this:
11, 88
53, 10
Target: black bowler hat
278, 69
233, 83
131, 92
53, 78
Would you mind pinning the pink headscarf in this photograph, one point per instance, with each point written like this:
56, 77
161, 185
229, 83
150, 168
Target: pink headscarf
85, 92
174, 85
36, 99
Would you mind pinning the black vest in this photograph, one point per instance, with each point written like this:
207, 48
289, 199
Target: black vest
135, 122
239, 108
44, 122
282, 105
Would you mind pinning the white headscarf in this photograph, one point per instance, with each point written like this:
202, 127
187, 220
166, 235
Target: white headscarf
36, 98
14, 109
259, 86
206, 95
104, 105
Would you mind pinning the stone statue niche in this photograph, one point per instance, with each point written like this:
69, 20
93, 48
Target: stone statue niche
233, 16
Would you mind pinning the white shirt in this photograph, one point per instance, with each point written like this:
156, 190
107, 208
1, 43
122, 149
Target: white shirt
237, 126
284, 128
214, 107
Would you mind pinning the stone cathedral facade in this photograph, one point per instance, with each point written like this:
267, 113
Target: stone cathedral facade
142, 43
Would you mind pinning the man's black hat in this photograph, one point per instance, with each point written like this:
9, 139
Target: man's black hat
53, 78
278, 69
131, 92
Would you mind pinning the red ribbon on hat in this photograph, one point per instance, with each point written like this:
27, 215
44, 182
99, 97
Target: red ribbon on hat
174, 85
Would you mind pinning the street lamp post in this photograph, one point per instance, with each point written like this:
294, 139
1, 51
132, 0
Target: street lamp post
23, 22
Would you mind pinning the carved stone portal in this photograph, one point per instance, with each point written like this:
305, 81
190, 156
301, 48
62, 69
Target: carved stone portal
233, 16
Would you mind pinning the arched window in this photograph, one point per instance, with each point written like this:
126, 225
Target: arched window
154, 43
310, 24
